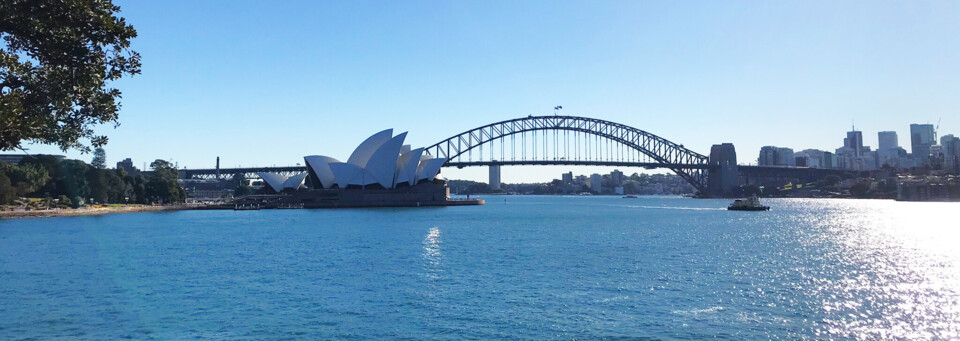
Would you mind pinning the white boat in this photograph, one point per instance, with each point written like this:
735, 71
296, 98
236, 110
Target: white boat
749, 204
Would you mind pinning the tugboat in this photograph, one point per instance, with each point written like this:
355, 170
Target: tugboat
749, 204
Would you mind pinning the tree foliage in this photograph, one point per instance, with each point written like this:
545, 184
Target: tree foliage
99, 158
163, 183
75, 182
57, 59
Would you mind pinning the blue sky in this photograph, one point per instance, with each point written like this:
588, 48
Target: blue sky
264, 83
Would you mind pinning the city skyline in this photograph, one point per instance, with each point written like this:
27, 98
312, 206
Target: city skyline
248, 84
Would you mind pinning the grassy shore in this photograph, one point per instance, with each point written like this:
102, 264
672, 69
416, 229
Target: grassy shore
92, 211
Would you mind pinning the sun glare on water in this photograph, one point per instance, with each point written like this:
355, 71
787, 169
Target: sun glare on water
903, 271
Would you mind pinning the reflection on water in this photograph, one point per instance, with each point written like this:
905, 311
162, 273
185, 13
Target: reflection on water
533, 268
431, 252
898, 265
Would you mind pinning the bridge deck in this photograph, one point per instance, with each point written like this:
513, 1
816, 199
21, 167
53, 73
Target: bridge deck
648, 165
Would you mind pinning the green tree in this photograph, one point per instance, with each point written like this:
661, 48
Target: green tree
163, 185
26, 179
99, 158
7, 192
51, 165
64, 202
138, 189
96, 180
72, 180
57, 60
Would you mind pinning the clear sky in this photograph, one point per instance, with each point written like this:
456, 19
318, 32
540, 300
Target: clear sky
265, 83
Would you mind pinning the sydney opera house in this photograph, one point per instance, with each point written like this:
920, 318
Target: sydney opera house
381, 171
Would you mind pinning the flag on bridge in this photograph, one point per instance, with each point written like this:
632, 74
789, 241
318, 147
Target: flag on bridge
558, 107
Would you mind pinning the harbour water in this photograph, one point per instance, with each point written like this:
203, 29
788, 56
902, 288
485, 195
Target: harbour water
525, 267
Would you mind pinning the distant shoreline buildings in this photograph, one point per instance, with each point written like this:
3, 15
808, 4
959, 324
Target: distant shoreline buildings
925, 151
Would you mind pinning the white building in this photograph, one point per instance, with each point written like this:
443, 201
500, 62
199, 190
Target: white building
888, 152
596, 182
380, 161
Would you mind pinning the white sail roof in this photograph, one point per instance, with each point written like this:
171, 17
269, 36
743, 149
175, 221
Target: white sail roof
407, 167
365, 150
278, 182
273, 180
429, 168
349, 174
383, 162
294, 182
319, 166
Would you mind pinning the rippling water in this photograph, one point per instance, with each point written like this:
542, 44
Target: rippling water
519, 267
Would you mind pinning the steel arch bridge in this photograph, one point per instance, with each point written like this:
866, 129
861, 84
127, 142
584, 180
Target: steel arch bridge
570, 140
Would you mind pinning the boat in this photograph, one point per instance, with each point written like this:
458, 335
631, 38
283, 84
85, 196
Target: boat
749, 204
629, 196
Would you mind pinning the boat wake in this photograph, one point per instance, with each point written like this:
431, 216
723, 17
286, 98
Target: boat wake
673, 207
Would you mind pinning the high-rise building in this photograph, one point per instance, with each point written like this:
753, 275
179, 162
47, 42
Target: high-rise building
854, 141
887, 140
127, 166
596, 182
846, 158
494, 176
947, 142
567, 178
829, 160
951, 150
814, 158
888, 150
776, 156
767, 156
580, 179
785, 157
921, 138
616, 178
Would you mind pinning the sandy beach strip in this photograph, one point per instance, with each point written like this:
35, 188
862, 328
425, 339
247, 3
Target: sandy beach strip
92, 211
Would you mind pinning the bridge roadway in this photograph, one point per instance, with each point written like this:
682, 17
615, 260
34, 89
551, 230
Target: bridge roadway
209, 173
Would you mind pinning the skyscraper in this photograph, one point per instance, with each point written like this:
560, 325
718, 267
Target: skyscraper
951, 151
888, 140
888, 152
785, 157
854, 141
921, 138
767, 156
776, 156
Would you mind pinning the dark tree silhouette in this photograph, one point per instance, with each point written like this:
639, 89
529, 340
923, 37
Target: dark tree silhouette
57, 59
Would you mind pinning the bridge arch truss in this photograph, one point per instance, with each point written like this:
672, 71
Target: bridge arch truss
570, 140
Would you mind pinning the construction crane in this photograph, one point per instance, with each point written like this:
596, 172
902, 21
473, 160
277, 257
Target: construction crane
936, 130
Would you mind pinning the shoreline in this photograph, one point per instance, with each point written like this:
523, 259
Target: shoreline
70, 212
